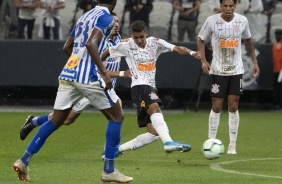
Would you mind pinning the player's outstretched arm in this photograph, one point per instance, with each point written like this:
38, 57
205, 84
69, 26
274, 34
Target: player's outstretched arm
250, 47
185, 51
125, 74
205, 65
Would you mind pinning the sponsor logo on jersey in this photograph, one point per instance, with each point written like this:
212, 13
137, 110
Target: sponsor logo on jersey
142, 104
70, 74
228, 43
72, 62
146, 67
215, 88
228, 68
236, 27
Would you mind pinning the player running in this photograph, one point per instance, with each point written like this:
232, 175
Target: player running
84, 75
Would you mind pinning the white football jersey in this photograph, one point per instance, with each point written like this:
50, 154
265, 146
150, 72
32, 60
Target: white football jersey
226, 43
142, 62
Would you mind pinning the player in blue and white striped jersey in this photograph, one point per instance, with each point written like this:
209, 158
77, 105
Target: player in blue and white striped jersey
112, 65
84, 75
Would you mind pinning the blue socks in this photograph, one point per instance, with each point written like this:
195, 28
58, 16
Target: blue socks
37, 121
38, 140
112, 142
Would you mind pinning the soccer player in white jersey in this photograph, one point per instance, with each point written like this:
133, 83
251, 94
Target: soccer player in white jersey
84, 75
141, 54
226, 31
112, 65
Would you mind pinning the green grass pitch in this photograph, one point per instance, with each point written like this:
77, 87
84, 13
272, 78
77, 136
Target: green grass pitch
72, 154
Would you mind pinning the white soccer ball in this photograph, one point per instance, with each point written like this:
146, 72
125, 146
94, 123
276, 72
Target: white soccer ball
212, 149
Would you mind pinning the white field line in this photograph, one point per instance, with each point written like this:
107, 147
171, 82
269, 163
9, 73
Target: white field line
218, 167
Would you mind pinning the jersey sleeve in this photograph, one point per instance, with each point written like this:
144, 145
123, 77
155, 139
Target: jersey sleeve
105, 23
246, 32
119, 50
205, 30
163, 46
72, 34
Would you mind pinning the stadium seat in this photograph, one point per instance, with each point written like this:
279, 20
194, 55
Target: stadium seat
159, 19
159, 32
278, 9
276, 19
162, 6
201, 20
204, 7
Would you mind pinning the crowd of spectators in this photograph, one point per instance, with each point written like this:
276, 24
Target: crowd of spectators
18, 17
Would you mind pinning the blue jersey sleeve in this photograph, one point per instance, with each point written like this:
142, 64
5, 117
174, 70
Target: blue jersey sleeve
72, 34
105, 24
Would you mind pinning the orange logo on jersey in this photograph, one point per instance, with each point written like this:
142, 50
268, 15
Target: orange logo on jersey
228, 43
147, 67
142, 104
72, 62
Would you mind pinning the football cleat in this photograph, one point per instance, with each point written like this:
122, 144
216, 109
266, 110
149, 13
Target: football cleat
176, 146
27, 127
115, 176
231, 150
22, 170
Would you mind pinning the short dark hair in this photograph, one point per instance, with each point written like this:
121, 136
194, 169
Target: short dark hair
113, 14
138, 26
105, 1
220, 1
278, 31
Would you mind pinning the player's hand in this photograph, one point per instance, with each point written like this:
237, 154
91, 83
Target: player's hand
108, 81
127, 74
197, 55
256, 71
206, 67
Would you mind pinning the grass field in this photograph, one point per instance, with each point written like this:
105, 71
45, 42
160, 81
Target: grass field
72, 154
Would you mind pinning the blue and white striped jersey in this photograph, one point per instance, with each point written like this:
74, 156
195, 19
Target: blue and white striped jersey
113, 64
80, 67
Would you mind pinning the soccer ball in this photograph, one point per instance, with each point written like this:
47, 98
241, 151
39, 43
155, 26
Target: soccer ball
212, 149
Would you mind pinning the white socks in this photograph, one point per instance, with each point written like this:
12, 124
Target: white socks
233, 121
138, 142
214, 119
160, 126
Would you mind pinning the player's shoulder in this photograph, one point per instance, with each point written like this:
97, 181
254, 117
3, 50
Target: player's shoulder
240, 17
153, 39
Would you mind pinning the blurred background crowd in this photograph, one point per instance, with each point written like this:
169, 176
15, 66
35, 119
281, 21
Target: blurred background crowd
173, 20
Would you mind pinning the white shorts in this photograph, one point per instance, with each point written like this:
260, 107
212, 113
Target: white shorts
81, 105
70, 93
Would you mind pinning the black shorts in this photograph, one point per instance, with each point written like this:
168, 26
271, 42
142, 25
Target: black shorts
143, 96
221, 86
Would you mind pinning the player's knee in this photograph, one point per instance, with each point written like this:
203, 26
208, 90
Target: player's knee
232, 108
154, 108
69, 121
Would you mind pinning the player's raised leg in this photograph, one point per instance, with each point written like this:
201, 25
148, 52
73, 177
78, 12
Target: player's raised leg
30, 123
